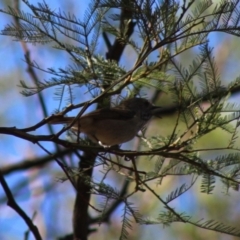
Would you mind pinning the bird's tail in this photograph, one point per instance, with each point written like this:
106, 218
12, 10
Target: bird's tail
61, 120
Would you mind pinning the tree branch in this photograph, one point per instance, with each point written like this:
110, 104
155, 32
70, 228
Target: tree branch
12, 203
31, 163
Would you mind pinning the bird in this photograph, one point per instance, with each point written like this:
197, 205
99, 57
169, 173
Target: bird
114, 125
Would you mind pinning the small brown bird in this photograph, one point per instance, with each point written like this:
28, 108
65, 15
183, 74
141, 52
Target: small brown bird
113, 126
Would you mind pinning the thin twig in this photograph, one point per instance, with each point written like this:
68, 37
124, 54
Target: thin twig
13, 204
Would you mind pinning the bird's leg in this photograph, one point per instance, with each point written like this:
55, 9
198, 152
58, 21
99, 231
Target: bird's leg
104, 146
78, 133
108, 146
143, 138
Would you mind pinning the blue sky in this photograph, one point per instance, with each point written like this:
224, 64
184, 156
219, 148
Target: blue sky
20, 111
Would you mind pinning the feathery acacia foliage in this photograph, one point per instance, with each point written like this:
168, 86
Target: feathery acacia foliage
158, 33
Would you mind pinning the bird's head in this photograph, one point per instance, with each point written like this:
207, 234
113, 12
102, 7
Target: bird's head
141, 106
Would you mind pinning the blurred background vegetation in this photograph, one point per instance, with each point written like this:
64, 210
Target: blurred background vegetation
40, 190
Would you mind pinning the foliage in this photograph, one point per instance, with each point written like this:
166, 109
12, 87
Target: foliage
163, 31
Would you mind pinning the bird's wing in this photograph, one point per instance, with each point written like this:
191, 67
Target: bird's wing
100, 114
110, 113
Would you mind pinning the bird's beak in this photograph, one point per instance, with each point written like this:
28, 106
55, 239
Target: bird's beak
155, 110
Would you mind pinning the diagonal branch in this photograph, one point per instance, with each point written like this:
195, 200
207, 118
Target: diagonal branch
13, 204
31, 163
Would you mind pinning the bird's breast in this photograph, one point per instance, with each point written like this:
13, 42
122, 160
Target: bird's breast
112, 131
